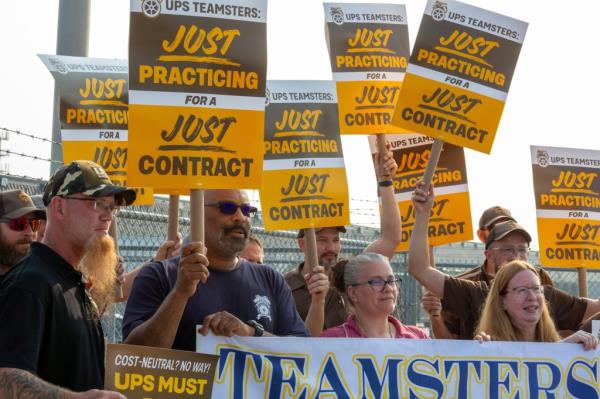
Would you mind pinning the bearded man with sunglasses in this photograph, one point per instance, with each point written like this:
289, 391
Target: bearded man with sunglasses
54, 346
210, 284
19, 220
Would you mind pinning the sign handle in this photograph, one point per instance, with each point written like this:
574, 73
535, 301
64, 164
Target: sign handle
310, 240
582, 277
436, 150
197, 215
173, 217
113, 231
381, 150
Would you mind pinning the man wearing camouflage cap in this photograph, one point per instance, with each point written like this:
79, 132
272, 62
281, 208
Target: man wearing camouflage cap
19, 221
58, 346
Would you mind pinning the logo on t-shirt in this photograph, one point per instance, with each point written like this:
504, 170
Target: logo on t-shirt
263, 307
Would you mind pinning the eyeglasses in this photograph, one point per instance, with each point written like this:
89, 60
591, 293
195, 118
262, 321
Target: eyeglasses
510, 250
20, 224
98, 205
523, 291
378, 284
230, 208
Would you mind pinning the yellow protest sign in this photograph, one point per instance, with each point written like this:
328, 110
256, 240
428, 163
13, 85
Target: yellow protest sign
567, 197
141, 372
369, 50
94, 114
459, 74
451, 213
197, 93
303, 160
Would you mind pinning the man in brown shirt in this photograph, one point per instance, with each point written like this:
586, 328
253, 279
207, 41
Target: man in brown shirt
506, 242
320, 306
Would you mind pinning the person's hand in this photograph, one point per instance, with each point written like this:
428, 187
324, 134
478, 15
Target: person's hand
168, 249
317, 283
193, 269
422, 199
389, 164
589, 341
224, 323
431, 304
99, 394
482, 337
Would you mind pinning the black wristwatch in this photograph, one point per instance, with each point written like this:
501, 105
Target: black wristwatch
259, 330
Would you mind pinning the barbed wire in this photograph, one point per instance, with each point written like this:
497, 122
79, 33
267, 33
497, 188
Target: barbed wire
29, 156
19, 133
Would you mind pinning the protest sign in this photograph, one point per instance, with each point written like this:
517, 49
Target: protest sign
141, 372
369, 50
303, 161
459, 74
399, 368
451, 213
93, 114
197, 93
567, 198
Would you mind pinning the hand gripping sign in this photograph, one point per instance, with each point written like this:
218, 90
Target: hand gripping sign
567, 197
304, 164
459, 74
94, 114
197, 87
451, 213
369, 50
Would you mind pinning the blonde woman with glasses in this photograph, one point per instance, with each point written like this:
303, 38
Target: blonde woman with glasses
516, 310
369, 284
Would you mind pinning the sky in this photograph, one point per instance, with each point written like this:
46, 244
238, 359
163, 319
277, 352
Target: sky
552, 100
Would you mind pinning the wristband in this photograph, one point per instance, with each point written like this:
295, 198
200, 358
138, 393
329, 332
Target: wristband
385, 183
258, 328
435, 315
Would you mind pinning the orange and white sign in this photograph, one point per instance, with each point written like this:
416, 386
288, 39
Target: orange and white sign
94, 114
459, 73
567, 197
451, 213
369, 51
303, 163
197, 93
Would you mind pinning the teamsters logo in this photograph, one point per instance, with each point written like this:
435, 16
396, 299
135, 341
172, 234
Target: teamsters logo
439, 10
337, 15
60, 66
151, 8
267, 97
543, 158
263, 307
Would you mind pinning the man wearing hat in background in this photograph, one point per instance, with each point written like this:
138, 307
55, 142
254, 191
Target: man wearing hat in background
320, 306
56, 344
19, 221
445, 325
506, 241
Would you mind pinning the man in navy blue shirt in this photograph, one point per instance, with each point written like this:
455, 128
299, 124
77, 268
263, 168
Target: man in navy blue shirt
212, 286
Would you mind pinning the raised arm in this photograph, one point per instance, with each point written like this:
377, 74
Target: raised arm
160, 329
390, 221
419, 264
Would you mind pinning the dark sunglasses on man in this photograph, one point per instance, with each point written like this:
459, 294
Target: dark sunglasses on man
230, 208
20, 224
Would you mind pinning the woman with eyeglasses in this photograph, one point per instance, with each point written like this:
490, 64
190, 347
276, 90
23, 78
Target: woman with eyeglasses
516, 310
369, 284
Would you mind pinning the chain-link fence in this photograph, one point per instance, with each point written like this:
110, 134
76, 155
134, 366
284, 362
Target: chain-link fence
142, 230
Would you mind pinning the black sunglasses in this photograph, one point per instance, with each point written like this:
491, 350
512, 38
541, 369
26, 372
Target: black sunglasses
20, 224
230, 208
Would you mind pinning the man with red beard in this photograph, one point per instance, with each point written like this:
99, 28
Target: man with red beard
55, 345
19, 220
210, 285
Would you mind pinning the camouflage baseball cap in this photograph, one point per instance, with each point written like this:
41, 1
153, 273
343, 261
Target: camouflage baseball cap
16, 203
341, 229
85, 177
494, 215
503, 229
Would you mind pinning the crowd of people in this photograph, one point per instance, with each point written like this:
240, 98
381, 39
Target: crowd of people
54, 285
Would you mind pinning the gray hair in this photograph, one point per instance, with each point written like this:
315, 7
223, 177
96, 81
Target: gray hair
354, 266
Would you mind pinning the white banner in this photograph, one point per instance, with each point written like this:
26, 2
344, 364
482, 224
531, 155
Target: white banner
384, 368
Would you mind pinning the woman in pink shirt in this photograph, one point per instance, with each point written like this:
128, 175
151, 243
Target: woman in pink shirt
369, 284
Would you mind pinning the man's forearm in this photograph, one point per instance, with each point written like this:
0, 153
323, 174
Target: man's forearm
315, 318
21, 384
439, 329
160, 330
